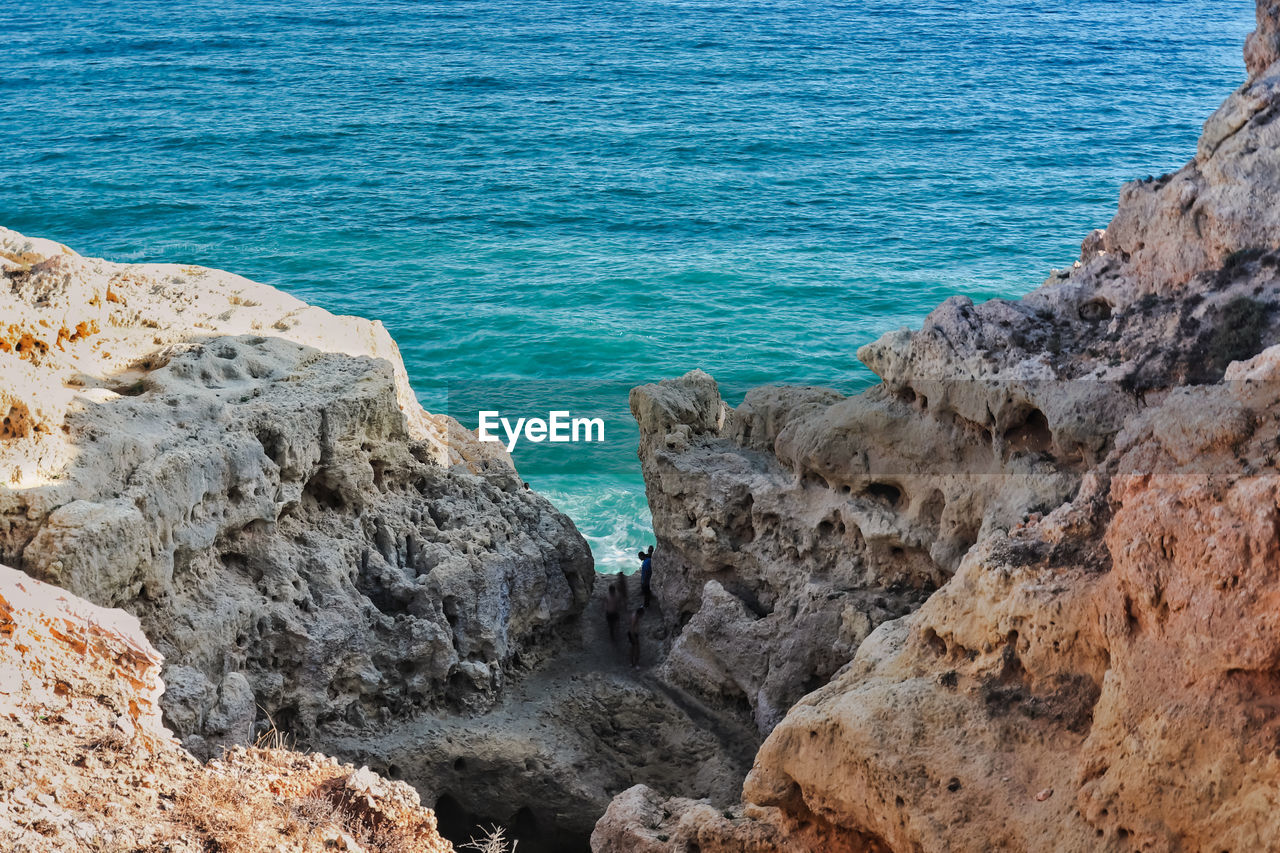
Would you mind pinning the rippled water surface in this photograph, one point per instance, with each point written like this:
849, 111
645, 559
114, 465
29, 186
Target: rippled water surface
550, 202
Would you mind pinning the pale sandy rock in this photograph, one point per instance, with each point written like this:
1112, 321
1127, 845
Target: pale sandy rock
789, 528
253, 479
87, 764
1121, 682
1095, 667
1089, 681
1262, 47
641, 821
122, 313
54, 643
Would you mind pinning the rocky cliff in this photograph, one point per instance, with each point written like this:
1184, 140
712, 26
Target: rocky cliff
314, 554
1030, 574
253, 479
87, 764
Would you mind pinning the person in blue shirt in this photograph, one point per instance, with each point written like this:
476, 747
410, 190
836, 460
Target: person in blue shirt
646, 574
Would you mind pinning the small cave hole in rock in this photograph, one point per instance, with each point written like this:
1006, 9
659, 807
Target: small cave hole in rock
322, 494
379, 474
966, 537
529, 832
748, 598
525, 825
1032, 435
1095, 311
273, 445
453, 821
285, 719
885, 492
129, 387
815, 481
392, 602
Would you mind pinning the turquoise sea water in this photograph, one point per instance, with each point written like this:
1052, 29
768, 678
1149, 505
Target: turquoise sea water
550, 202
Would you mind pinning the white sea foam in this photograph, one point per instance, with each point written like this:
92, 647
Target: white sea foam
612, 516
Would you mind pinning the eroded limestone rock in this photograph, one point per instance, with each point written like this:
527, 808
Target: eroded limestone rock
87, 764
252, 478
1096, 667
792, 526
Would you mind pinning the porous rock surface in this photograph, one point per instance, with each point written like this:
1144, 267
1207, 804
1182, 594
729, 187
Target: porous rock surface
87, 764
547, 759
1080, 493
791, 527
253, 479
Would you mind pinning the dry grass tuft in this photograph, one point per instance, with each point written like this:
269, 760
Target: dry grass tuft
494, 841
232, 815
271, 737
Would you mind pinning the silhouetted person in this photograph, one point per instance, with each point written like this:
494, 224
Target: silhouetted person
622, 589
633, 635
613, 605
646, 575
